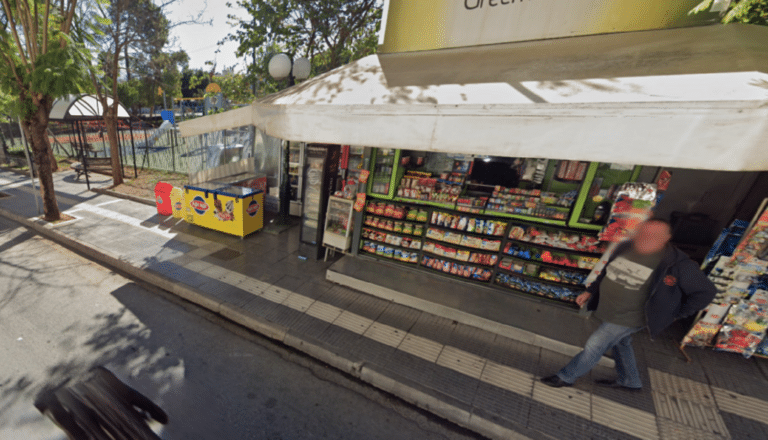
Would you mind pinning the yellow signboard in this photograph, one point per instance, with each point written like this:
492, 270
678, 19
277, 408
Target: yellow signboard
414, 25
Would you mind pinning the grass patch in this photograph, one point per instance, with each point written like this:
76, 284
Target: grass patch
144, 185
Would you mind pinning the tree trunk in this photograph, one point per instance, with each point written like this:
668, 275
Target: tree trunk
110, 120
37, 128
52, 158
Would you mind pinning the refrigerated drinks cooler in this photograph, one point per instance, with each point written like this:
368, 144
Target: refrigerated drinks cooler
320, 172
296, 152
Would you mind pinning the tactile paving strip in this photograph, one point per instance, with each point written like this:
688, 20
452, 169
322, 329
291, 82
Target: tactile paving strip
685, 402
421, 347
623, 418
744, 406
670, 430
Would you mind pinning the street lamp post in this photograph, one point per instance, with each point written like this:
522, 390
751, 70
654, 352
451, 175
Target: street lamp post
282, 66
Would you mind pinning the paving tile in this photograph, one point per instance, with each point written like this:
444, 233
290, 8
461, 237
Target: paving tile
745, 406
283, 316
253, 286
353, 322
339, 296
516, 354
259, 306
520, 428
744, 428
373, 351
385, 334
502, 403
275, 294
670, 430
339, 338
298, 302
309, 326
407, 365
315, 288
640, 400
399, 316
471, 339
290, 283
324, 312
422, 348
681, 387
433, 327
508, 378
367, 306
563, 425
568, 399
450, 382
461, 361
236, 296
624, 418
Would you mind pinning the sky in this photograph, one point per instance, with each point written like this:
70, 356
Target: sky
200, 41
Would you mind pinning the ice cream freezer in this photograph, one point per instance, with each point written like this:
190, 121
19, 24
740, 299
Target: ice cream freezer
233, 210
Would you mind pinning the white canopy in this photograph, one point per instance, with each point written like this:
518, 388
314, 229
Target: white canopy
73, 107
716, 121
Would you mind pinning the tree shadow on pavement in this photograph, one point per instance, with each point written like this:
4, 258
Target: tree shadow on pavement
131, 345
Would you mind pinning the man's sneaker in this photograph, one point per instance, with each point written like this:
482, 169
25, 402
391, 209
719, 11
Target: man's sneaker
613, 384
554, 381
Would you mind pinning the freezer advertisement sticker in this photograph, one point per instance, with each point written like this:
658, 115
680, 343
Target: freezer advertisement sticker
253, 208
199, 205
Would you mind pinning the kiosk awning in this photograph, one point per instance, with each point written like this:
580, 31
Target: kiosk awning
704, 119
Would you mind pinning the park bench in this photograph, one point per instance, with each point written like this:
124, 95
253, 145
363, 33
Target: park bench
100, 165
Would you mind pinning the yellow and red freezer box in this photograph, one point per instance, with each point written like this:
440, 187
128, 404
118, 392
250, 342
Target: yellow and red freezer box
231, 209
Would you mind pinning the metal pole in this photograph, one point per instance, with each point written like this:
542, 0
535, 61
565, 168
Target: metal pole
133, 148
120, 151
83, 154
31, 172
173, 151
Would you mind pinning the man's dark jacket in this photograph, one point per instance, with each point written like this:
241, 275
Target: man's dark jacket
678, 288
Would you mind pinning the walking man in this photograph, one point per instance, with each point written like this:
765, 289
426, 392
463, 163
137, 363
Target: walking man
647, 282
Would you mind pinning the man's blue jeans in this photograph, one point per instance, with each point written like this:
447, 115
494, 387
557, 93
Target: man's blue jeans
606, 336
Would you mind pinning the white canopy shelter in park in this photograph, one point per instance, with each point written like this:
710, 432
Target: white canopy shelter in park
688, 98
81, 107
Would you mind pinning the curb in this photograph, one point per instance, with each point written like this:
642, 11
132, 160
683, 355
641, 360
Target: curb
108, 192
281, 334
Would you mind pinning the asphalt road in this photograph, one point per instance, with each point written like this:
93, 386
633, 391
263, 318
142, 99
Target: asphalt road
61, 314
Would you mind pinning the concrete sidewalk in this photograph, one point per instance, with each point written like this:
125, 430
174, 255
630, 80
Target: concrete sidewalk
477, 378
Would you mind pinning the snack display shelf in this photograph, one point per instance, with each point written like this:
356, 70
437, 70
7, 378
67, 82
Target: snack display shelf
471, 248
567, 294
405, 248
550, 298
391, 231
371, 235
459, 231
530, 218
469, 277
534, 234
546, 264
558, 249
539, 279
484, 266
390, 252
424, 202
